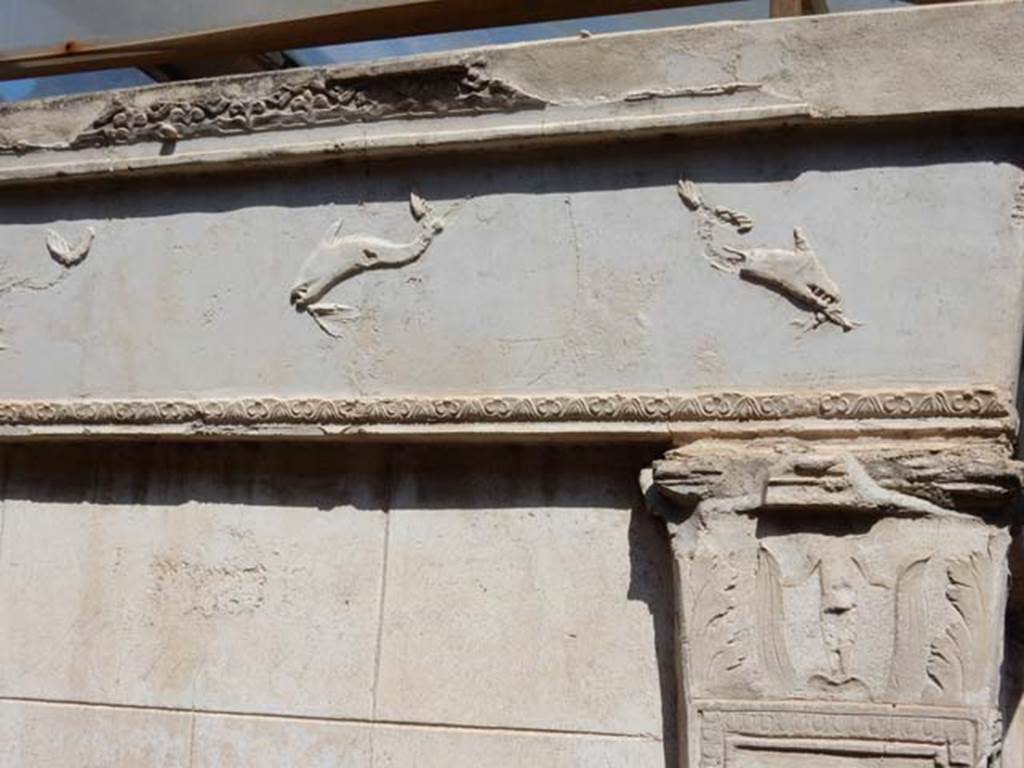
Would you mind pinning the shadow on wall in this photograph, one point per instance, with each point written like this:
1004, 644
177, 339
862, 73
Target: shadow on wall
282, 475
323, 475
453, 176
651, 582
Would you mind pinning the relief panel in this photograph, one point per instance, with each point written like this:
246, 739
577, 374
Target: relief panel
554, 276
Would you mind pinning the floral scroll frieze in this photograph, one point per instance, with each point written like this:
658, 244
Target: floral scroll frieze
639, 408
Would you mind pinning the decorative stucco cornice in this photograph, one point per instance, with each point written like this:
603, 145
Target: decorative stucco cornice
979, 403
458, 88
408, 138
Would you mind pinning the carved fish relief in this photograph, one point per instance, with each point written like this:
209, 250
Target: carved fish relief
64, 253
333, 319
796, 274
339, 257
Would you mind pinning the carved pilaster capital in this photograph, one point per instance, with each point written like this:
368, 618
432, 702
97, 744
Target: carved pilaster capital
840, 597
940, 478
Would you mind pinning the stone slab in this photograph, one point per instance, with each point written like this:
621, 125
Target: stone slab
267, 742
525, 591
218, 579
48, 735
442, 748
62, 736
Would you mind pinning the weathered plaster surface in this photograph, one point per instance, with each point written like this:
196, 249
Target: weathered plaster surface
51, 734
847, 65
508, 537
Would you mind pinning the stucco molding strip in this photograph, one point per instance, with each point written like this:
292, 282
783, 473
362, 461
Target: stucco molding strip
414, 140
976, 403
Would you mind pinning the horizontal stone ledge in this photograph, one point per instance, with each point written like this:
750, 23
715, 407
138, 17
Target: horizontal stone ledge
563, 433
835, 69
639, 416
409, 140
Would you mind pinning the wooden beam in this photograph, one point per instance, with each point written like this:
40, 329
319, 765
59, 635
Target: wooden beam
778, 9
782, 8
358, 21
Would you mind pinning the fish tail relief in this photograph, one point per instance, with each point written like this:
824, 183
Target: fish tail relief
721, 257
708, 220
423, 212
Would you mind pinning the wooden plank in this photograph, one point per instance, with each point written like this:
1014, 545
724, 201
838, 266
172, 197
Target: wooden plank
782, 8
358, 21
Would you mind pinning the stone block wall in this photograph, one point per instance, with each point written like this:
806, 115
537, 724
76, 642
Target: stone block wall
245, 605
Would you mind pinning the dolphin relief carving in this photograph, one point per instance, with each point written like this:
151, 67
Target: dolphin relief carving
338, 257
796, 274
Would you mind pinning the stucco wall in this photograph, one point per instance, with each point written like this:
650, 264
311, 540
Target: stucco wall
789, 251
